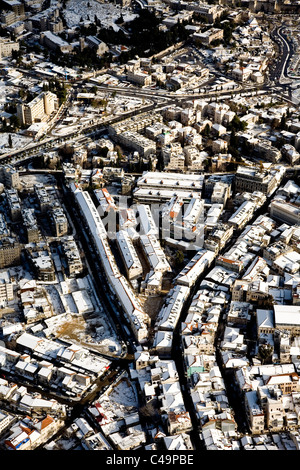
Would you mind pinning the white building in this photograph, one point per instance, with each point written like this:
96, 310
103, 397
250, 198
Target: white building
190, 273
129, 255
169, 314
285, 212
155, 254
118, 285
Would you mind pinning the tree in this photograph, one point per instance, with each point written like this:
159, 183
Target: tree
179, 258
150, 413
265, 352
237, 125
282, 124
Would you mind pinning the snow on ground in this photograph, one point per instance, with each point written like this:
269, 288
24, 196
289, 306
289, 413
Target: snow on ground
107, 13
296, 94
64, 130
124, 393
18, 141
3, 91
94, 332
30, 180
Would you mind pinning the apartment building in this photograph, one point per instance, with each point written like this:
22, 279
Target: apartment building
10, 252
129, 255
9, 176
8, 17
6, 420
4, 230
6, 288
169, 314
265, 149
275, 414
147, 220
176, 163
31, 225
118, 284
183, 220
40, 259
195, 267
221, 193
173, 149
242, 215
44, 197
135, 123
6, 47
38, 110
139, 77
59, 222
218, 237
252, 179
289, 152
106, 201
162, 343
14, 204
71, 255
154, 254
254, 412
137, 142
13, 5
286, 212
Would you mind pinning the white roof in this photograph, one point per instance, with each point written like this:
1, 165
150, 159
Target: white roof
127, 249
287, 315
195, 267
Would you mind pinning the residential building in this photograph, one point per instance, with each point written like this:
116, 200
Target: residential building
71, 255
31, 225
169, 314
6, 47
242, 215
285, 212
255, 413
195, 267
41, 261
154, 254
6, 288
59, 222
129, 255
37, 110
252, 179
148, 224
14, 204
10, 252
10, 177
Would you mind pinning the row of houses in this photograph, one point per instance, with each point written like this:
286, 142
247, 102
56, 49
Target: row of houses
118, 284
33, 359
